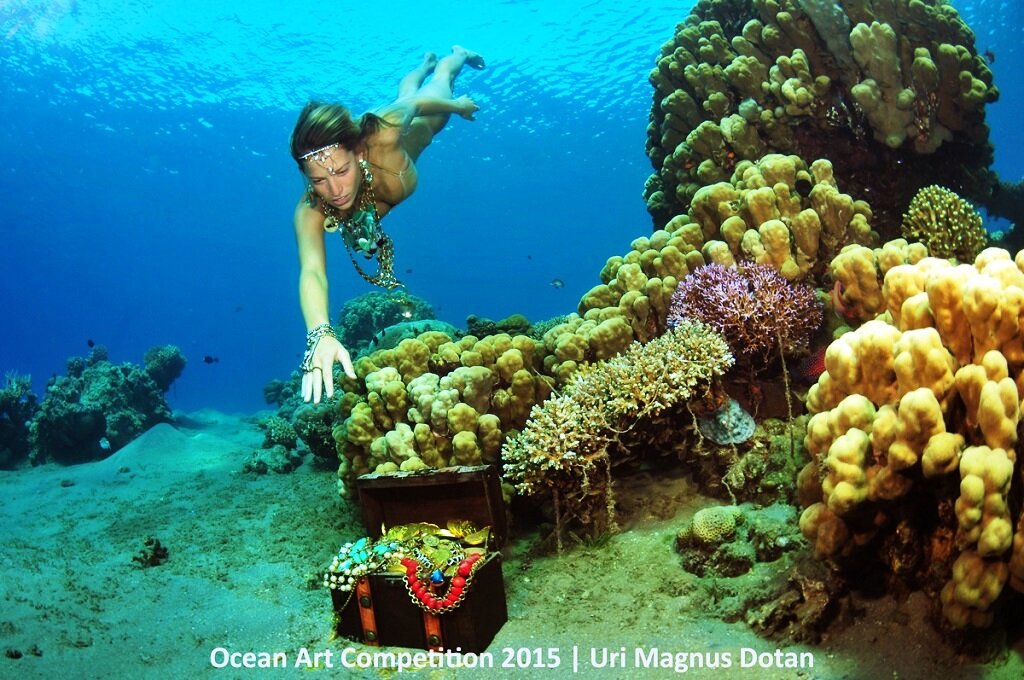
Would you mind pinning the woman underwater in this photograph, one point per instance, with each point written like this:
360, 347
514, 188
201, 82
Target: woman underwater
356, 171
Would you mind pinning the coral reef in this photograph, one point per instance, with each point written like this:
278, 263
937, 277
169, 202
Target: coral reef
775, 211
433, 401
363, 316
945, 223
568, 447
276, 458
277, 431
894, 87
98, 407
858, 273
18, 405
279, 451
758, 312
728, 540
164, 365
914, 436
514, 324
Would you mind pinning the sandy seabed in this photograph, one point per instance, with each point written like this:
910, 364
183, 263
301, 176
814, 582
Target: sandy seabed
245, 550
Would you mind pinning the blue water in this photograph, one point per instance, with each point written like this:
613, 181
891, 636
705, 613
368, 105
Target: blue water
147, 190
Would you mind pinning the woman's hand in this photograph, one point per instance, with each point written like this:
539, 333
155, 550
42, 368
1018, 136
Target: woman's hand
466, 107
319, 380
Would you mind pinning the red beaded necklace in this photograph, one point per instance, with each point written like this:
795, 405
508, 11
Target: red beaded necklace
422, 591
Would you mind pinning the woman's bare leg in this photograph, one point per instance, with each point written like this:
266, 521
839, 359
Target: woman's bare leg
422, 129
414, 78
441, 83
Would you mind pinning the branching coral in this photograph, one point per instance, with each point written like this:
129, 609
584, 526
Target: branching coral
755, 308
565, 451
928, 389
945, 223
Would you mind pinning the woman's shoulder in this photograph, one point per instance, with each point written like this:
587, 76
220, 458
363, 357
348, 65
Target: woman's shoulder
308, 215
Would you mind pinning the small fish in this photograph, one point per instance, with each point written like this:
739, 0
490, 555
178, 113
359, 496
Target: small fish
210, 359
811, 367
529, 257
557, 283
409, 270
90, 342
990, 56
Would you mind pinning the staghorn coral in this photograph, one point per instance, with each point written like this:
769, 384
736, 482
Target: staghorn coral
894, 87
945, 223
914, 435
565, 452
757, 311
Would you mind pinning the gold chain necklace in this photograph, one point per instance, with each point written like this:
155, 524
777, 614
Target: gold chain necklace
362, 231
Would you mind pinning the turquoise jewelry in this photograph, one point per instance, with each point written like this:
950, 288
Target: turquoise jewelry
363, 233
358, 559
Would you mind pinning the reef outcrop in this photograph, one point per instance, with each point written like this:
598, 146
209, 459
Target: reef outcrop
896, 88
98, 407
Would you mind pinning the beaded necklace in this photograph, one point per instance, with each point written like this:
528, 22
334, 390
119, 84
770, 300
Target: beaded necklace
362, 232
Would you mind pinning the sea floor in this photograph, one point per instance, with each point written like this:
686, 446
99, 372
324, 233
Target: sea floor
245, 551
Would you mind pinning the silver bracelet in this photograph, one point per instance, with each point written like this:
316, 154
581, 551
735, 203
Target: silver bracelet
312, 339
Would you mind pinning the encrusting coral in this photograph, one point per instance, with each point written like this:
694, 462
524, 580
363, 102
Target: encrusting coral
568, 447
928, 389
894, 87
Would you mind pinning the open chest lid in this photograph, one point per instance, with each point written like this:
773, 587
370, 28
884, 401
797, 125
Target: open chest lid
436, 496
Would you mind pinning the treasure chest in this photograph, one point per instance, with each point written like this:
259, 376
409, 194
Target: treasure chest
416, 587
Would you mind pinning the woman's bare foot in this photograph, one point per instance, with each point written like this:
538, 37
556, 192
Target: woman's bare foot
429, 61
473, 60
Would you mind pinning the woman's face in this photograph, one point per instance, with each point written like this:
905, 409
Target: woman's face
335, 177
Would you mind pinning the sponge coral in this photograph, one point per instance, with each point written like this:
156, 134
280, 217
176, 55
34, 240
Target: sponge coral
753, 306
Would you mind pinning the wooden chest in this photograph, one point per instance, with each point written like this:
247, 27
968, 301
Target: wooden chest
381, 610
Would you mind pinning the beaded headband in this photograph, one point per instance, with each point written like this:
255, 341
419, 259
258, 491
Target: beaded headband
321, 155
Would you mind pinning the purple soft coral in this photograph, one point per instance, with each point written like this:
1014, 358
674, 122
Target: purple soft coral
753, 306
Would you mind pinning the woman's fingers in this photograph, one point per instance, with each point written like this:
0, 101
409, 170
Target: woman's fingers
346, 363
307, 386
